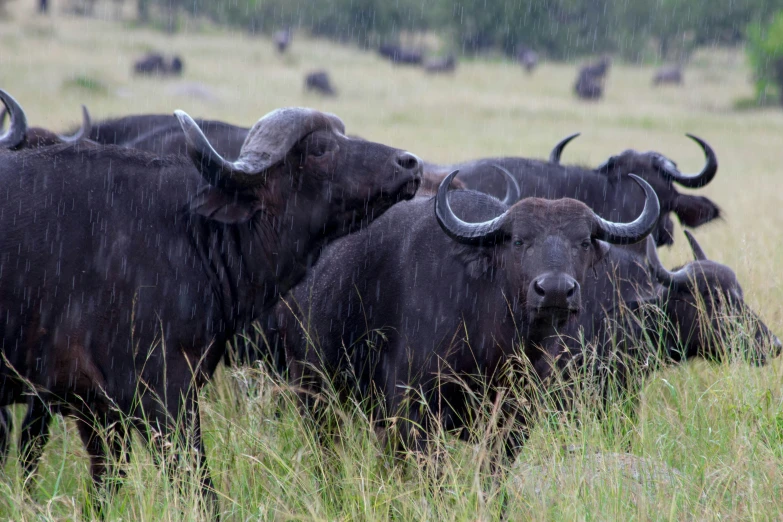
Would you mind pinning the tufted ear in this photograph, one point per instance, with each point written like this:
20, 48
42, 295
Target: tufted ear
694, 211
223, 206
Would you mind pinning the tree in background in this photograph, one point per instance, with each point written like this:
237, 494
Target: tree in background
765, 51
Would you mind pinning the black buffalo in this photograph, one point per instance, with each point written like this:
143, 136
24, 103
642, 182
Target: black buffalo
420, 295
19, 136
400, 55
126, 273
157, 64
671, 74
318, 81
282, 40
590, 80
637, 313
528, 58
608, 189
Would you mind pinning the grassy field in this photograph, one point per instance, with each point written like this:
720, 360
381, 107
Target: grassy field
708, 438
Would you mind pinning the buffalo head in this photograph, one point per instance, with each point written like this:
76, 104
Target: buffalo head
546, 246
298, 166
705, 302
662, 173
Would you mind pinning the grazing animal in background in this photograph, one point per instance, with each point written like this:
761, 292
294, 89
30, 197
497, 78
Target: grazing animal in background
420, 300
528, 58
319, 82
283, 39
671, 74
590, 80
156, 64
19, 136
447, 64
174, 257
399, 55
607, 189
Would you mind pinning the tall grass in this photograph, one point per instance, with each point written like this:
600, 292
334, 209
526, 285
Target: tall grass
697, 441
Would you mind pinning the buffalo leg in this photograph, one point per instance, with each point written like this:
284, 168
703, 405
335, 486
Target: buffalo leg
92, 433
35, 434
5, 433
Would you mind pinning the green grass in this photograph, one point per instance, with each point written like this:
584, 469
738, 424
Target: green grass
714, 432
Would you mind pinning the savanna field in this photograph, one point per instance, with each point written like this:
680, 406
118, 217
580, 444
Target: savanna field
705, 441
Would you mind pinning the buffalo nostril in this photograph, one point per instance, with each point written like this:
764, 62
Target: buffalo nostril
571, 291
408, 161
539, 289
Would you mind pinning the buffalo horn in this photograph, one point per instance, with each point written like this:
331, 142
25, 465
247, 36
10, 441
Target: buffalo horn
266, 145
636, 230
698, 252
554, 156
455, 228
512, 187
660, 272
17, 129
83, 131
702, 178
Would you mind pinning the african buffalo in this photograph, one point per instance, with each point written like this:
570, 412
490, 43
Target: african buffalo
636, 313
399, 55
282, 39
19, 136
420, 296
528, 58
447, 64
126, 273
607, 189
590, 80
670, 74
318, 81
157, 64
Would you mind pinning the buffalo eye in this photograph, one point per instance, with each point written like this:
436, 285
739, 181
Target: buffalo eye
518, 242
586, 244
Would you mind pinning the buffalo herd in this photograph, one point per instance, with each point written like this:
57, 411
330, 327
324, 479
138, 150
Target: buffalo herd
134, 250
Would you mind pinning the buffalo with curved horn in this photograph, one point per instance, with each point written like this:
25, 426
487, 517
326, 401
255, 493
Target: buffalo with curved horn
19, 136
196, 264
421, 300
607, 189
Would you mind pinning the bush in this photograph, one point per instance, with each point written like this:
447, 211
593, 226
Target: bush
765, 52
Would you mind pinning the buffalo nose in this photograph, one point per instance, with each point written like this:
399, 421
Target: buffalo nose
555, 291
408, 161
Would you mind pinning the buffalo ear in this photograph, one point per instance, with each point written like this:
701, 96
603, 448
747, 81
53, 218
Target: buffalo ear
223, 206
694, 211
601, 248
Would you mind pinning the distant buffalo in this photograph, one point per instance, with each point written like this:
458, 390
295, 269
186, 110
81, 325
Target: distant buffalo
400, 55
590, 81
447, 64
319, 81
528, 58
156, 64
282, 40
668, 74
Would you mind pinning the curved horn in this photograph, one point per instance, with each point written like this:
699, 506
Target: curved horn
698, 252
83, 131
636, 230
707, 172
216, 170
3, 114
660, 272
266, 145
17, 129
513, 191
554, 156
455, 228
